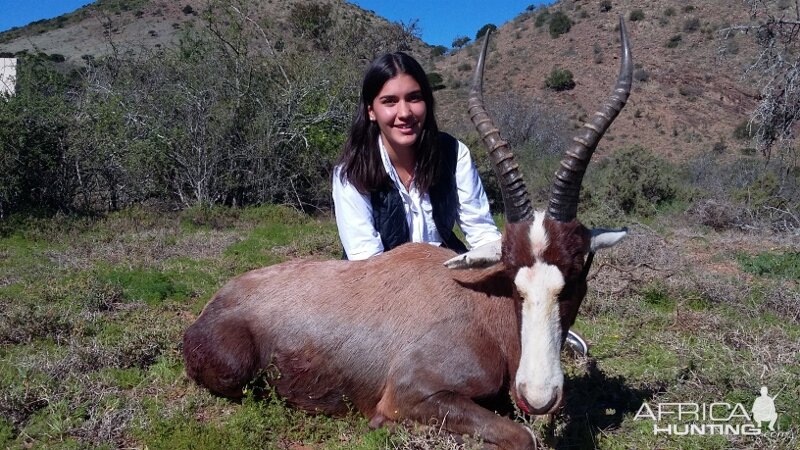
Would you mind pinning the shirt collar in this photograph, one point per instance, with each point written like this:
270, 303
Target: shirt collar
387, 164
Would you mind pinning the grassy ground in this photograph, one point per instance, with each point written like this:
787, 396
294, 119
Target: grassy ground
92, 313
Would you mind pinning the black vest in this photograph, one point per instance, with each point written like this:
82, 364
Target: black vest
389, 216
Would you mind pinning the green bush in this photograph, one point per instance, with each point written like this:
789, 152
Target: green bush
436, 81
674, 41
669, 12
542, 18
636, 15
438, 50
559, 80
605, 6
634, 181
744, 131
460, 41
485, 29
312, 21
559, 24
691, 25
778, 265
641, 75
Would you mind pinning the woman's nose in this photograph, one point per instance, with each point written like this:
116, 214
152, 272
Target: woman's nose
404, 109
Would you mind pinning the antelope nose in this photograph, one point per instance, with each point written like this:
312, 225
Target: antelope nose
539, 401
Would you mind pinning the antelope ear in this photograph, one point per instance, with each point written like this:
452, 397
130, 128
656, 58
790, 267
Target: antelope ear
479, 257
605, 237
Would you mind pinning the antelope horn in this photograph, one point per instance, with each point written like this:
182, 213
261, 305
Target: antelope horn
563, 203
512, 186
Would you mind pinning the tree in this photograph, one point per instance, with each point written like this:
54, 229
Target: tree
485, 29
460, 41
776, 72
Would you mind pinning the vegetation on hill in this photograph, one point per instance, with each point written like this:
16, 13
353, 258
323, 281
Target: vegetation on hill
229, 116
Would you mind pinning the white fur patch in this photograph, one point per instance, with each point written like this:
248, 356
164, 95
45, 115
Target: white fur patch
538, 235
539, 377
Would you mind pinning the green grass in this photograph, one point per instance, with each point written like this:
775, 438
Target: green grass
770, 264
150, 286
92, 313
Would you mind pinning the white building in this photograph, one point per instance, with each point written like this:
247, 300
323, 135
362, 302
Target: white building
8, 76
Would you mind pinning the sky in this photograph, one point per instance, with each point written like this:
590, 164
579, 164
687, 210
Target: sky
439, 21
442, 21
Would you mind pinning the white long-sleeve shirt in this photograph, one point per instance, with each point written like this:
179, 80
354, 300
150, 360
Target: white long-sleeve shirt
354, 210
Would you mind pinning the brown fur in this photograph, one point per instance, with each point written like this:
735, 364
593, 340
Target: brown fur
397, 336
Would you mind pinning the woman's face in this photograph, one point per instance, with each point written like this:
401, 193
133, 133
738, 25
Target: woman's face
399, 111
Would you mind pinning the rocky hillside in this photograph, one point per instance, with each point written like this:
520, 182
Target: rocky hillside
688, 95
95, 29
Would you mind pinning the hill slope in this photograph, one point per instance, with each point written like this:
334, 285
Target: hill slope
132, 24
688, 94
687, 99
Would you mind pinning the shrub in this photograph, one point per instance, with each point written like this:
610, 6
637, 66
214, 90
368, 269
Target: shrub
641, 75
636, 15
188, 9
460, 41
719, 215
669, 12
635, 181
438, 50
542, 18
598, 53
560, 80
743, 193
691, 92
691, 25
436, 81
688, 8
312, 21
605, 6
559, 24
485, 29
744, 131
778, 265
674, 41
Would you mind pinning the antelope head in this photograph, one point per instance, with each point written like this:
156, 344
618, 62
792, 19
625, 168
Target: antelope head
548, 253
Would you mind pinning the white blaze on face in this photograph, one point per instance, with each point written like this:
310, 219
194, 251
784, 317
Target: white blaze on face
539, 377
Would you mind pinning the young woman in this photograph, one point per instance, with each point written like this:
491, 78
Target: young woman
399, 179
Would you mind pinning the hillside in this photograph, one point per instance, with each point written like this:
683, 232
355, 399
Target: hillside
134, 24
687, 99
688, 94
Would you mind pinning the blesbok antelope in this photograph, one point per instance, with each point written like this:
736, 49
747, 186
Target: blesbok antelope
404, 336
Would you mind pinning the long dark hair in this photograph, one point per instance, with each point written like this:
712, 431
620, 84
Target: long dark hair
361, 160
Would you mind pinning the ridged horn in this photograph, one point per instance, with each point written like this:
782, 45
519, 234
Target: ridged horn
512, 186
563, 203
